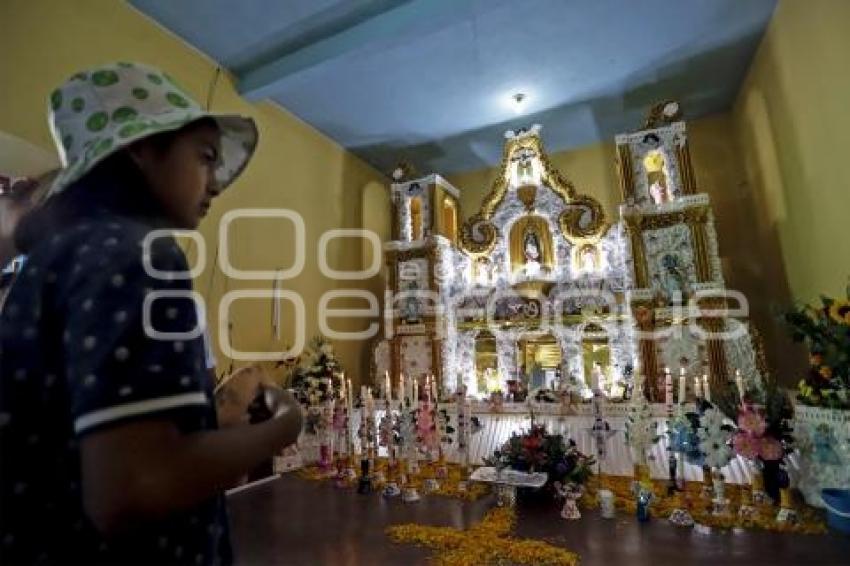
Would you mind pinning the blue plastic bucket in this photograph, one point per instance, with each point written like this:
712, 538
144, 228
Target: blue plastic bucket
837, 502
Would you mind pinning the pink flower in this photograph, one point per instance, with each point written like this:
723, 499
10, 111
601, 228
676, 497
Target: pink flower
752, 422
771, 449
746, 445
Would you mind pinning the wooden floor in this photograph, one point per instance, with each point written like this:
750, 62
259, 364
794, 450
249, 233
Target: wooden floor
295, 521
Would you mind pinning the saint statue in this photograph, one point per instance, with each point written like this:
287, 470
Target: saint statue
531, 248
588, 259
596, 377
411, 305
659, 193
672, 279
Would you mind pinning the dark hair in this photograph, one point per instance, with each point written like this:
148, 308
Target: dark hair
115, 185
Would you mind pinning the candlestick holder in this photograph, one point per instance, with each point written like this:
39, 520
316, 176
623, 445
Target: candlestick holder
787, 512
747, 511
364, 484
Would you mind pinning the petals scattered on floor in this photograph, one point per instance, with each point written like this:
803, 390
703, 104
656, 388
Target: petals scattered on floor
488, 542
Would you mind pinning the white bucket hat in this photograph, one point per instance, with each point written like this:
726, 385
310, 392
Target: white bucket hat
101, 110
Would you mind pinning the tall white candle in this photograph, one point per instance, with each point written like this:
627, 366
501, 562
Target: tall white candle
739, 381
388, 388
706, 391
697, 387
668, 387
402, 391
683, 385
434, 398
415, 391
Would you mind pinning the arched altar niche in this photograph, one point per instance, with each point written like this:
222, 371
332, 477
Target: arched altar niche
416, 218
486, 363
449, 212
538, 360
596, 357
655, 166
529, 238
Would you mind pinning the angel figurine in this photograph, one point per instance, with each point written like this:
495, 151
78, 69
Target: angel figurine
571, 492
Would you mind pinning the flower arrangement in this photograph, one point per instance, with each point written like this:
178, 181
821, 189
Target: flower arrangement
641, 427
683, 434
319, 378
538, 451
825, 330
715, 434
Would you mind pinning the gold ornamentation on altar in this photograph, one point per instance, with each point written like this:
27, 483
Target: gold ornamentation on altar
526, 194
583, 218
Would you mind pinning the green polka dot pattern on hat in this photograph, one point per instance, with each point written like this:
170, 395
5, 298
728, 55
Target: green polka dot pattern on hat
56, 100
104, 78
124, 114
97, 121
100, 110
177, 100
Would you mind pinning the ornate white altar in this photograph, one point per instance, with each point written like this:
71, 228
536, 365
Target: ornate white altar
540, 291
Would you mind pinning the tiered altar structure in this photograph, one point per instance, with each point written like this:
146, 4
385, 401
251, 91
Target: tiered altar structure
541, 290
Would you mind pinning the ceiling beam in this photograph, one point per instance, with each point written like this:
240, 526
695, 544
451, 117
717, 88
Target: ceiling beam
263, 81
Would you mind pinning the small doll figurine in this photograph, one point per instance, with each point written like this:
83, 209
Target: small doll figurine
571, 494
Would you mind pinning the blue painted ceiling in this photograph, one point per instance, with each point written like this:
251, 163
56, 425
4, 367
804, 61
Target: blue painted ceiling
430, 81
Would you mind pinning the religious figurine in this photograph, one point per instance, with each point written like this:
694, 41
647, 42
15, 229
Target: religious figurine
571, 492
587, 261
672, 279
531, 251
659, 193
596, 377
411, 311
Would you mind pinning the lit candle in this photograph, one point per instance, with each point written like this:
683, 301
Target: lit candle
388, 388
434, 398
415, 391
668, 387
402, 392
683, 386
697, 387
705, 389
739, 381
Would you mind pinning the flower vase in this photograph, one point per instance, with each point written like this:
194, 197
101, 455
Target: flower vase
772, 479
707, 485
720, 504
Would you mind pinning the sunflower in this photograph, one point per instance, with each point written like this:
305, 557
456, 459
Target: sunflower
839, 311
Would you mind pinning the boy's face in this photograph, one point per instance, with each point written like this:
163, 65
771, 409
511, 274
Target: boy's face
182, 178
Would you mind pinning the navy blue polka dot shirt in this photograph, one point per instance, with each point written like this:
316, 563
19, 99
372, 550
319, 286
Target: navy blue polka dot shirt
78, 354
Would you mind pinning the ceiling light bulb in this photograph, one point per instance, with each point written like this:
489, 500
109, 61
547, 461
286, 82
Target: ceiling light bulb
518, 102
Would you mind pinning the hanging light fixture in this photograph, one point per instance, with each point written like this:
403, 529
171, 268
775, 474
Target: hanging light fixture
518, 102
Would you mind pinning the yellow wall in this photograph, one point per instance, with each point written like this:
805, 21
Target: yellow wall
295, 167
793, 120
751, 261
